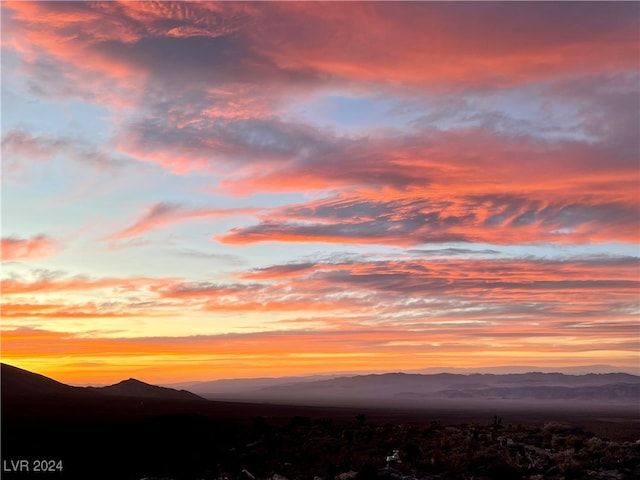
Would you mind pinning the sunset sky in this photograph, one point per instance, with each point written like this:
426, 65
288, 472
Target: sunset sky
193, 191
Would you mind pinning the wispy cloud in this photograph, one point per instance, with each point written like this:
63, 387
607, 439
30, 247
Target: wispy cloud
15, 248
46, 281
497, 219
165, 213
22, 143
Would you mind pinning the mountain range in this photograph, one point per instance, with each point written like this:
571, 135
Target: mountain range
384, 390
412, 390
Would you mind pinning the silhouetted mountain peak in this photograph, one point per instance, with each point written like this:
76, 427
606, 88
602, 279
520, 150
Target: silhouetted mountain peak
132, 382
133, 387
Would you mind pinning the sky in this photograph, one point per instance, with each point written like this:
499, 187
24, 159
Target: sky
193, 191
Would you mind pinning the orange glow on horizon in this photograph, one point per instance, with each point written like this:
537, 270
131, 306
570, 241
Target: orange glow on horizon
83, 360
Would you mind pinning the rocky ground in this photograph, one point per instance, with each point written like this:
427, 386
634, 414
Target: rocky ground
307, 449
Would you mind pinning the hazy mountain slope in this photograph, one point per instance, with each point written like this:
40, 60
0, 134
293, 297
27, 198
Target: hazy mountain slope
406, 389
609, 392
233, 386
512, 369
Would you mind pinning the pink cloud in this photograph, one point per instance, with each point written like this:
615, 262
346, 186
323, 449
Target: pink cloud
403, 42
418, 290
437, 44
236, 67
17, 249
410, 221
428, 288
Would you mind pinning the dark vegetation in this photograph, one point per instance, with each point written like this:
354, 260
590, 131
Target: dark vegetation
126, 437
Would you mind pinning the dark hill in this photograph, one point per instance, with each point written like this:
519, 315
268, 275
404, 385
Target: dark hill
19, 384
138, 389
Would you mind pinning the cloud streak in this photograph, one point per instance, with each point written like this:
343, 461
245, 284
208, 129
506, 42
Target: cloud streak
496, 219
166, 213
400, 292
